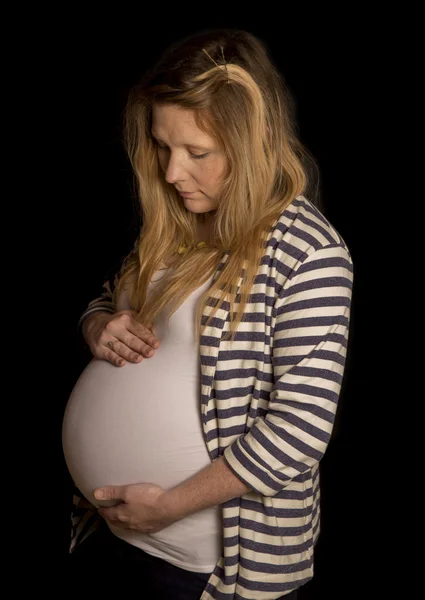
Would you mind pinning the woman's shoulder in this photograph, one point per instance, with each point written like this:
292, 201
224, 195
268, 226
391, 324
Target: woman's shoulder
304, 225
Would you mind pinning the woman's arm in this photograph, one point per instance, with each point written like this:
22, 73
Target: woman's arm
213, 485
309, 351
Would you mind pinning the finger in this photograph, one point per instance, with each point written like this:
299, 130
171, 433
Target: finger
149, 325
137, 337
144, 333
127, 322
114, 515
118, 515
122, 350
111, 356
110, 492
140, 347
114, 359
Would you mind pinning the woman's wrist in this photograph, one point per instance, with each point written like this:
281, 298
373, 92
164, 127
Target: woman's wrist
90, 321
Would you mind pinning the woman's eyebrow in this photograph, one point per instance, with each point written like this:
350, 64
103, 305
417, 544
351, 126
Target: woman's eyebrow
198, 146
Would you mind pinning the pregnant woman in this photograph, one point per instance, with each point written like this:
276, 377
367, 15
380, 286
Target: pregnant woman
194, 435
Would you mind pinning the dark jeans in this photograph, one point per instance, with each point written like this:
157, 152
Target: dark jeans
104, 563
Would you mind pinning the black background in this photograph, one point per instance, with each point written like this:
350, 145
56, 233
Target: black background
89, 221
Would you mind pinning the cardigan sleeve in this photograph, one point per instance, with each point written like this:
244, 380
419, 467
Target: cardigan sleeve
312, 314
104, 302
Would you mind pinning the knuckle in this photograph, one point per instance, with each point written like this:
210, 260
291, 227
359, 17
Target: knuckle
109, 356
127, 341
109, 325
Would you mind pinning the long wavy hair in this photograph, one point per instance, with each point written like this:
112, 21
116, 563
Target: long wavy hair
239, 98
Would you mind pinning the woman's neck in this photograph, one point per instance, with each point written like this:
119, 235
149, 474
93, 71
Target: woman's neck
204, 232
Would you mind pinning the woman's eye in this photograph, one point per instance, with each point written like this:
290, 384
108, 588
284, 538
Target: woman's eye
197, 156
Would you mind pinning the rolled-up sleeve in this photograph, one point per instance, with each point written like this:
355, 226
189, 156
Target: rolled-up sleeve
312, 315
104, 302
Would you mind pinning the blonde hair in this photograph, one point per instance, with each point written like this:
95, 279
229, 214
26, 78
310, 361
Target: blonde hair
239, 99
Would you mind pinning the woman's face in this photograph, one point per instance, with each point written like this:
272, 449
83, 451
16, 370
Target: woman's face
190, 158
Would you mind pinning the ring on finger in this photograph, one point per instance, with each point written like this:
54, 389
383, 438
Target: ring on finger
111, 345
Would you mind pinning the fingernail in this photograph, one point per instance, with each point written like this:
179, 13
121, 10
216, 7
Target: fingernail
98, 494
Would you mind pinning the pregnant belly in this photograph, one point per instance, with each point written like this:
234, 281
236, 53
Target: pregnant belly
133, 424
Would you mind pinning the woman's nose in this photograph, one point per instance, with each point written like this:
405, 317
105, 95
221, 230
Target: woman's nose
175, 170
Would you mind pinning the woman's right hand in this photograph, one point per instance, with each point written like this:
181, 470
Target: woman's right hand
118, 337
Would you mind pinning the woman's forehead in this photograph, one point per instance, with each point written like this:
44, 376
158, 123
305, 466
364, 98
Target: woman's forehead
175, 121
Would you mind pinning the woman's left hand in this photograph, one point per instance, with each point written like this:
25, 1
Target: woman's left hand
140, 507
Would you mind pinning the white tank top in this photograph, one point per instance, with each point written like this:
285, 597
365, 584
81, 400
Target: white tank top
142, 423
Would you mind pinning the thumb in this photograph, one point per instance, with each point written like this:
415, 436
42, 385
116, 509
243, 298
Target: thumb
112, 492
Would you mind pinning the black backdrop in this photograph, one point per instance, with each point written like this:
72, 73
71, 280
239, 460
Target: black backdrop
94, 211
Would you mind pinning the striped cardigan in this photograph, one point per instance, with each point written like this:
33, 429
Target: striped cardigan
268, 403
